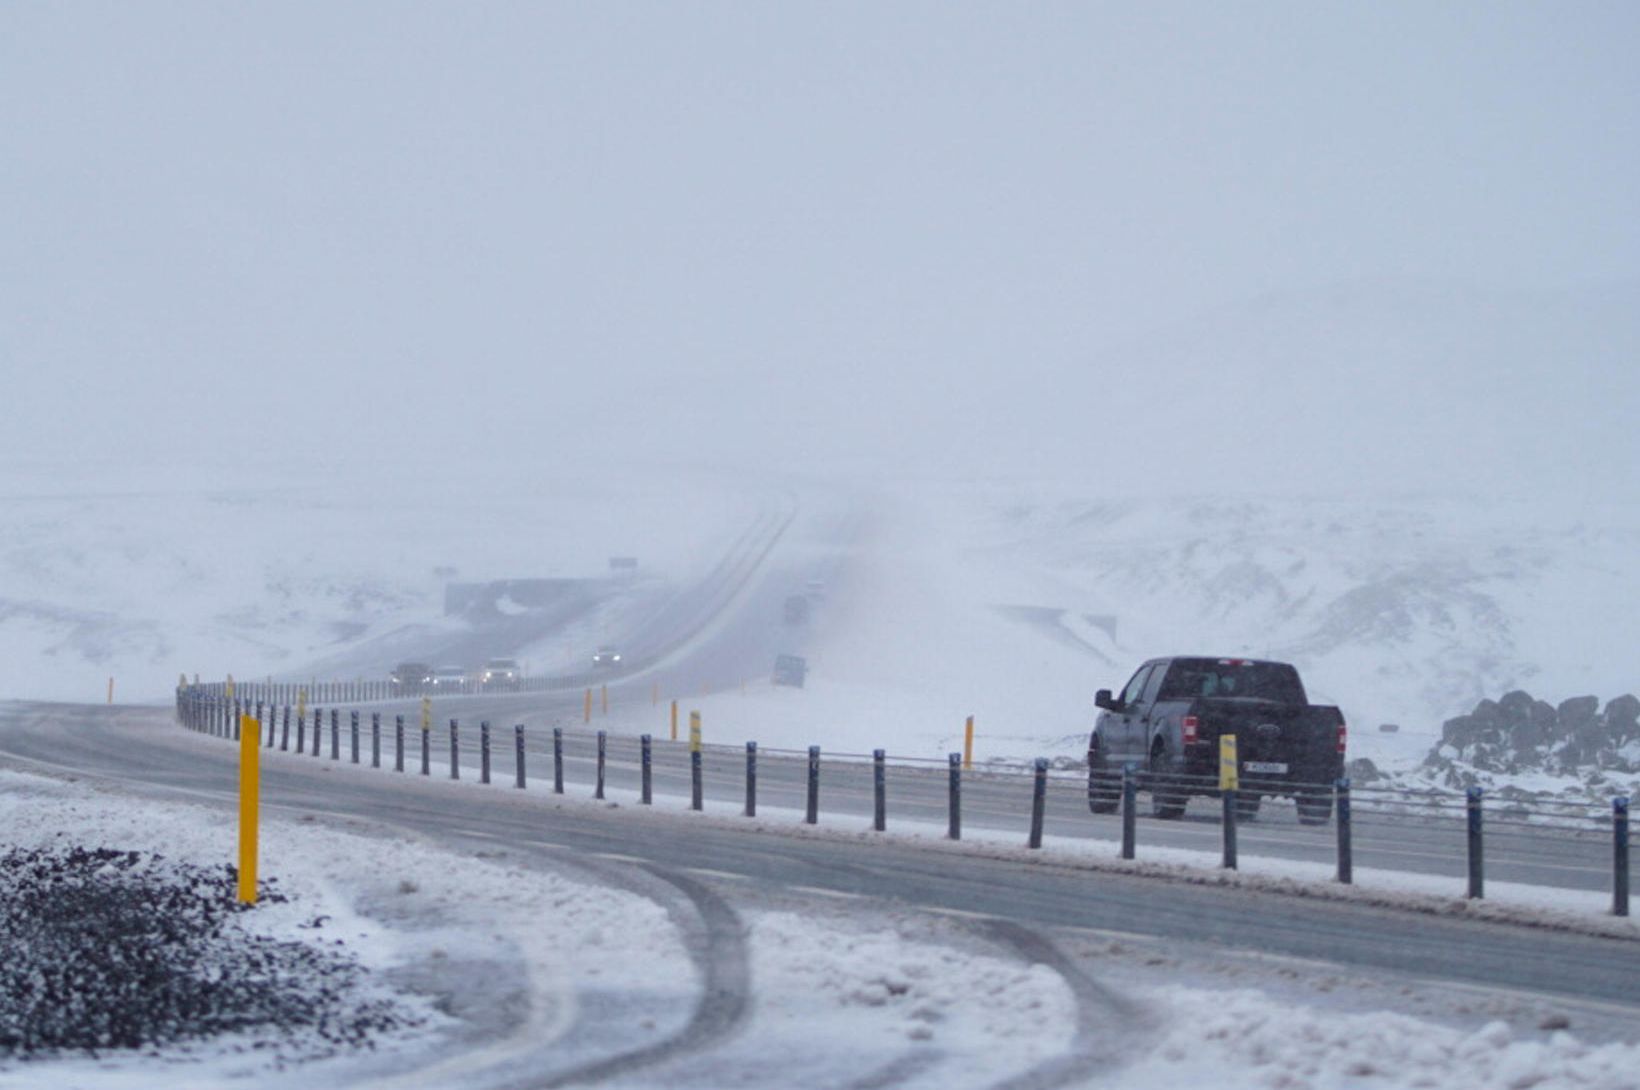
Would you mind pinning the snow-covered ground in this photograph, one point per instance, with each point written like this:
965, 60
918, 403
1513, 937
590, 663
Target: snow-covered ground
843, 988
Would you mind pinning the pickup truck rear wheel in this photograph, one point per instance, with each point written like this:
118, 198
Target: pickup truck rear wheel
1104, 790
1167, 801
1314, 806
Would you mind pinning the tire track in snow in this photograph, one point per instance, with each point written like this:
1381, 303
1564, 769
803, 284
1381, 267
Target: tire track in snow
1103, 1018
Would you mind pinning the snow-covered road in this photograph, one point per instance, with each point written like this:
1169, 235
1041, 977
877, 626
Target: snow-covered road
550, 960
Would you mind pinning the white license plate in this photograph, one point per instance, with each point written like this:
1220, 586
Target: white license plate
1265, 766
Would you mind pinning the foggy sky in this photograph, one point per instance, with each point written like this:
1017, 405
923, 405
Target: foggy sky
987, 239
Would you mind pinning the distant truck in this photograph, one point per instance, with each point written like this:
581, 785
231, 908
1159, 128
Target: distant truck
1171, 714
790, 670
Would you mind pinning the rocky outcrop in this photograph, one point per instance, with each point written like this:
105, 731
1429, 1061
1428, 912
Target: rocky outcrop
1519, 734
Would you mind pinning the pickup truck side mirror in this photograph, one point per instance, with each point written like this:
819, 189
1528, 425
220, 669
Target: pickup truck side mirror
1104, 700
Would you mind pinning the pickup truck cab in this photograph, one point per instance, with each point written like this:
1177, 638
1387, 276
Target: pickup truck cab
1170, 716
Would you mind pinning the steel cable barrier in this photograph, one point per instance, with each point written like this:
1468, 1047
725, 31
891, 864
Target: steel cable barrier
1580, 843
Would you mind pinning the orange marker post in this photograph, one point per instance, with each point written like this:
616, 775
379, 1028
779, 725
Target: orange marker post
250, 790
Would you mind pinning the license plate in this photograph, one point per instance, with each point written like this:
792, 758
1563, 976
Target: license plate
1265, 766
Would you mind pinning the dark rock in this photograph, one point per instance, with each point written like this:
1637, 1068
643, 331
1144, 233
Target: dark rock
1362, 771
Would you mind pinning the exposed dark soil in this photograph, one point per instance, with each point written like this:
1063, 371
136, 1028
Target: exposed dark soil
104, 950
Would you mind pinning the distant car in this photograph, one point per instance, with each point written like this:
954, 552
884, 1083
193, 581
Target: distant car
797, 609
449, 677
606, 658
790, 670
411, 677
501, 674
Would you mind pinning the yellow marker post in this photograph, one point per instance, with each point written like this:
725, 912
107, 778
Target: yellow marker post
603, 696
586, 708
426, 713
250, 789
230, 687
674, 720
968, 745
694, 732
301, 703
1229, 766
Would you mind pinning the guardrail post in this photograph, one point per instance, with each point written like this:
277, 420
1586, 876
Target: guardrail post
1341, 807
603, 747
751, 779
483, 751
557, 760
335, 734
353, 733
375, 739
398, 743
426, 748
455, 750
697, 792
1229, 828
1130, 808
812, 816
646, 768
879, 790
1039, 802
954, 804
1477, 875
238, 714
1620, 856
518, 754
318, 729
301, 733
284, 731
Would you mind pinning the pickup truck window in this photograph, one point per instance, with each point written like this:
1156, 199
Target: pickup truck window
1190, 678
1135, 686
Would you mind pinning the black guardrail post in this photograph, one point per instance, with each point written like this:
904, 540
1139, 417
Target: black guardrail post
483, 751
236, 715
646, 762
879, 790
1620, 856
1341, 808
953, 827
335, 734
1039, 802
426, 748
557, 760
259, 722
751, 779
518, 755
318, 729
1477, 873
812, 815
398, 743
301, 734
375, 739
353, 733
603, 748
284, 731
455, 750
1130, 808
697, 792
1229, 828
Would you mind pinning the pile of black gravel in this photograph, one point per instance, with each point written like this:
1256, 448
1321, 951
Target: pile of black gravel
103, 950
1519, 733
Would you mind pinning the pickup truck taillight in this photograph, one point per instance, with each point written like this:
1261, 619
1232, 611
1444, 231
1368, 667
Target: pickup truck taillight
1192, 727
1343, 735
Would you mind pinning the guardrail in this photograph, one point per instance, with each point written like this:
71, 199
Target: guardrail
1032, 796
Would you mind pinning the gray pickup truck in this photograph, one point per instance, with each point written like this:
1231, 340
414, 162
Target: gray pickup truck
1170, 716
